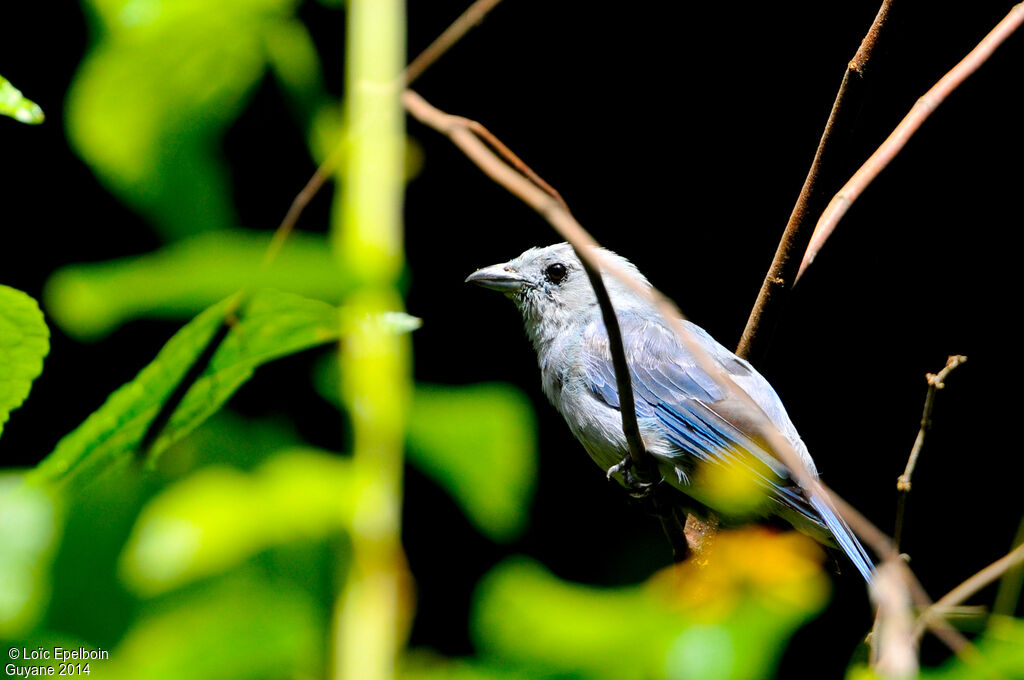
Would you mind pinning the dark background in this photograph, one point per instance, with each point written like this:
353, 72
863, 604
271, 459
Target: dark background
680, 137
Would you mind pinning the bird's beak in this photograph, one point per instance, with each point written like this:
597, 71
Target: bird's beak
498, 277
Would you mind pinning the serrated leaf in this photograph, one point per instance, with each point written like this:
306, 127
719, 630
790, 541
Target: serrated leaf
156, 92
24, 342
14, 104
479, 443
267, 325
178, 281
220, 516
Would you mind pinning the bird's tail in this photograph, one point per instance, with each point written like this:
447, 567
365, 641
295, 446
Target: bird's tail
844, 536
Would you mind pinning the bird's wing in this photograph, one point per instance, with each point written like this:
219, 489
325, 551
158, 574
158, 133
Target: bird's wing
692, 409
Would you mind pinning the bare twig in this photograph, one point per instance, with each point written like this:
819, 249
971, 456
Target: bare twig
924, 106
549, 204
968, 588
779, 280
554, 211
641, 460
458, 29
893, 648
1010, 585
936, 381
473, 15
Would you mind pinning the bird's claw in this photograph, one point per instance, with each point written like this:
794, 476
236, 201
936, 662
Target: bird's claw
635, 487
621, 467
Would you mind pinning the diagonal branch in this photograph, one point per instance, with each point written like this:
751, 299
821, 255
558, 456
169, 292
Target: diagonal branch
923, 108
473, 15
779, 280
936, 381
546, 201
558, 216
969, 587
458, 29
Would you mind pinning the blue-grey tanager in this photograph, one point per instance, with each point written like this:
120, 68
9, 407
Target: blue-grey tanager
690, 424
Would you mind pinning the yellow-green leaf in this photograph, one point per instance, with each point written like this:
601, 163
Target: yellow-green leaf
220, 516
30, 526
161, 84
24, 342
243, 627
14, 104
178, 281
267, 325
479, 442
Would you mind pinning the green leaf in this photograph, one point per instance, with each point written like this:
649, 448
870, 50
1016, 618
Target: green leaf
421, 665
525, 615
293, 57
15, 105
727, 618
479, 442
220, 516
242, 627
24, 342
228, 438
267, 325
157, 91
30, 523
178, 281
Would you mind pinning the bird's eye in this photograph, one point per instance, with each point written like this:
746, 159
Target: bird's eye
556, 272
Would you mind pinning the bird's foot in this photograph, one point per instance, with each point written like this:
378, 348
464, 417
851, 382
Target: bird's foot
635, 487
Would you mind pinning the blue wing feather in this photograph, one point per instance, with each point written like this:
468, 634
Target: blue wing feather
670, 387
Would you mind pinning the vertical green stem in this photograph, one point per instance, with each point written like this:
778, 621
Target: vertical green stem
372, 611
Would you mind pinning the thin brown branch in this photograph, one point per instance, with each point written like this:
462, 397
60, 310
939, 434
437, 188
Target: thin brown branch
782, 273
936, 381
513, 160
549, 204
560, 218
458, 29
555, 212
300, 202
546, 201
473, 15
885, 548
893, 648
1010, 585
968, 588
923, 108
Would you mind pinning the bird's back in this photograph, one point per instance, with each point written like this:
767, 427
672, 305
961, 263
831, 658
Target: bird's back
687, 418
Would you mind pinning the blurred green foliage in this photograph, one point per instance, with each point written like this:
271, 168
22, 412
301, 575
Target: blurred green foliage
727, 619
15, 105
30, 526
478, 443
223, 555
219, 516
159, 87
24, 342
1001, 654
998, 653
89, 301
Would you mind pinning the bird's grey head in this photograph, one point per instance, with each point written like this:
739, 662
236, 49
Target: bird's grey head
551, 288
